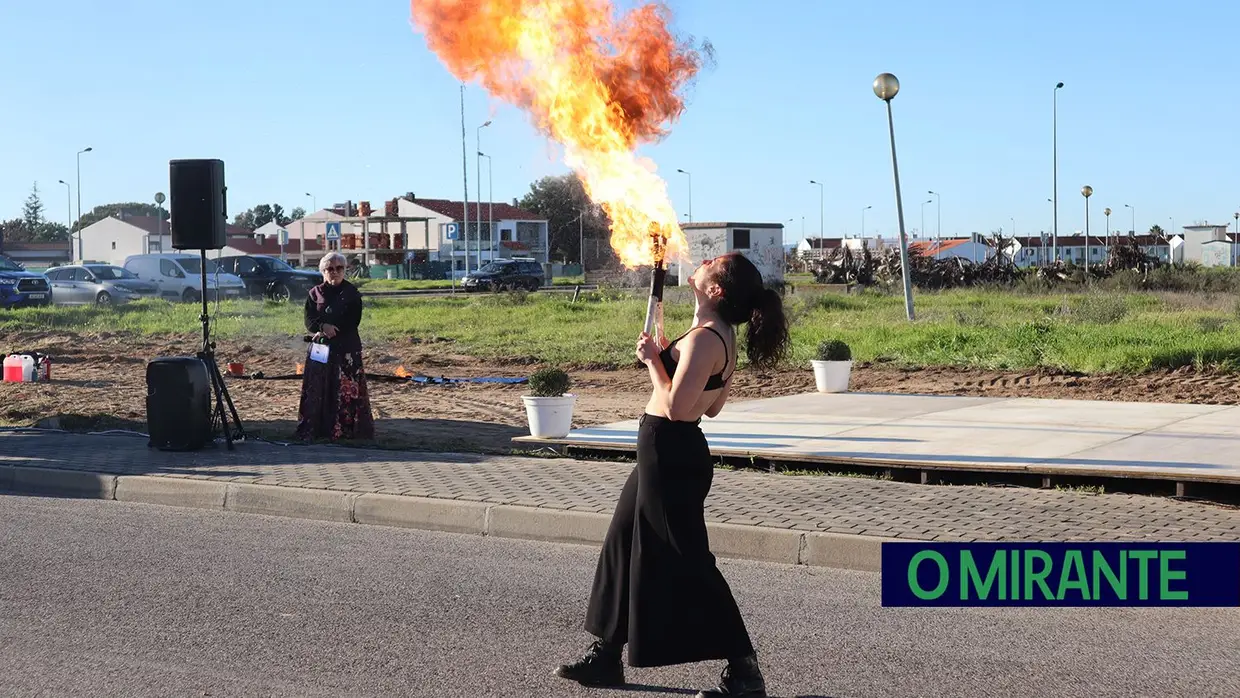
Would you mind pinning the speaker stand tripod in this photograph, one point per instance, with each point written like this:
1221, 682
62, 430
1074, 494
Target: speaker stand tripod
207, 355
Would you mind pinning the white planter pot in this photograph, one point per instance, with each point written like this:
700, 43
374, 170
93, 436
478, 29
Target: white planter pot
832, 376
550, 417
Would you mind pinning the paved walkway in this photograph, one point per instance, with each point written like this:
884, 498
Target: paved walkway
1169, 442
836, 505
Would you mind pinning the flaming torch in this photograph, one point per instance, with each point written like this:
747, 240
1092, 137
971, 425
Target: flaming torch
654, 307
597, 84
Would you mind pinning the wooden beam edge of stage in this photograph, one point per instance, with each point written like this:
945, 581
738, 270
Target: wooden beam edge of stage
1047, 471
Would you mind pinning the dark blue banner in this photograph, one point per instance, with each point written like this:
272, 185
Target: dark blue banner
1061, 574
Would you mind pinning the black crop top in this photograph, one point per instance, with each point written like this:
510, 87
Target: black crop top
716, 381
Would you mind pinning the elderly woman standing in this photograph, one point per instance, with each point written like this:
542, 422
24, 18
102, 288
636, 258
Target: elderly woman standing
334, 400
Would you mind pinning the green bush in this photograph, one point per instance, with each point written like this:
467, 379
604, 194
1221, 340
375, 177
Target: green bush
549, 382
1100, 309
834, 350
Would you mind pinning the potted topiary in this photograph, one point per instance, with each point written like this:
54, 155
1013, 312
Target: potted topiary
549, 406
833, 366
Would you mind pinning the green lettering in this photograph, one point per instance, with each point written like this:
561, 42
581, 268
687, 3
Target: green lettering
1166, 575
1015, 585
969, 575
944, 575
1074, 565
1038, 577
1143, 579
1118, 584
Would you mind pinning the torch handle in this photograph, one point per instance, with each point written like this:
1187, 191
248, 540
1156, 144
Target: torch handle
652, 313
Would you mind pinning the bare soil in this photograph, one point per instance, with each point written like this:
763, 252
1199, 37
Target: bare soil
99, 382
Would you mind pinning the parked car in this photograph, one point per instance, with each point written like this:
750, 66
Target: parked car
270, 277
505, 275
97, 284
19, 287
177, 276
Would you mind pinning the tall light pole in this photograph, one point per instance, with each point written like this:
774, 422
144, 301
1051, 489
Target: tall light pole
1133, 232
478, 186
821, 208
1055, 176
1235, 239
938, 209
465, 182
79, 200
1107, 212
490, 202
923, 216
69, 205
1087, 191
690, 176
886, 86
867, 208
159, 221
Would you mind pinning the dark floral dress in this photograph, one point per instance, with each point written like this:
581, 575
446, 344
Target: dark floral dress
334, 401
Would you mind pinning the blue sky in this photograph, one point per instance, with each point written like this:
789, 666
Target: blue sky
343, 100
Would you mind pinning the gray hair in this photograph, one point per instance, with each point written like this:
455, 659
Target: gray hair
329, 257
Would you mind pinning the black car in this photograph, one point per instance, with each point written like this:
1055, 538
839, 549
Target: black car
270, 277
506, 275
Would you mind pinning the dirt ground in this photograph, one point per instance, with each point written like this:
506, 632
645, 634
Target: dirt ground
99, 382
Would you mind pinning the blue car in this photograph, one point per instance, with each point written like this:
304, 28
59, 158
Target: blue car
19, 288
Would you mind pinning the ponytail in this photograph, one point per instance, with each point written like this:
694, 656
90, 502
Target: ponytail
767, 337
746, 300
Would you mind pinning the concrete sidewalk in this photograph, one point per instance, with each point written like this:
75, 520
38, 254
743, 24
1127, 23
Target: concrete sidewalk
812, 520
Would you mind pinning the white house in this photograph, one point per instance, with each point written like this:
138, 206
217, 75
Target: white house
761, 243
818, 248
1196, 237
113, 239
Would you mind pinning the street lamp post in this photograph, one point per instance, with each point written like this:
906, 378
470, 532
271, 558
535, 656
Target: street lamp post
79, 200
1055, 176
690, 176
478, 187
886, 86
1132, 232
490, 201
938, 211
1107, 212
923, 216
69, 205
1234, 240
1087, 191
159, 223
867, 208
821, 208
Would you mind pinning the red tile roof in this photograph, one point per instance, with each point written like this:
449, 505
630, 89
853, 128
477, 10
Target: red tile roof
151, 225
455, 210
271, 246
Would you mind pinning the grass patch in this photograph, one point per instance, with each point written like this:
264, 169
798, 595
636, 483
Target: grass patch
1086, 332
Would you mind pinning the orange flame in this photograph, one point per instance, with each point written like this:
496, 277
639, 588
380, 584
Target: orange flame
597, 85
402, 372
300, 368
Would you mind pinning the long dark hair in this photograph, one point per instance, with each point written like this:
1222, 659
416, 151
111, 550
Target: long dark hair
746, 299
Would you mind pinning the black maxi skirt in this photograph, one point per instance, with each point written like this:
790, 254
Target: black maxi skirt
656, 586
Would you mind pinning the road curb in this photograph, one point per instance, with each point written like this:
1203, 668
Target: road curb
759, 543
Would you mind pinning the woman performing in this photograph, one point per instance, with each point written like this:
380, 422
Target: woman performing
334, 400
656, 586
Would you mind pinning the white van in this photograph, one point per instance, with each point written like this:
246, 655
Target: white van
178, 277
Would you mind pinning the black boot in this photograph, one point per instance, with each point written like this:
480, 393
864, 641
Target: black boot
599, 667
741, 678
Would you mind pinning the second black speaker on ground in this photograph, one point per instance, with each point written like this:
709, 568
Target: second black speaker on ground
199, 204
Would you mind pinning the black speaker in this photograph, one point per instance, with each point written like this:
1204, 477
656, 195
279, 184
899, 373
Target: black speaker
178, 403
199, 204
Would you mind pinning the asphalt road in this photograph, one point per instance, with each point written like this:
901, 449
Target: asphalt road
104, 598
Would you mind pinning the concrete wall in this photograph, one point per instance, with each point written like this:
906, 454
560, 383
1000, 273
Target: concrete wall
765, 250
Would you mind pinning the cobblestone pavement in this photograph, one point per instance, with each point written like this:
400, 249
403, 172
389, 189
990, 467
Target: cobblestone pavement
804, 503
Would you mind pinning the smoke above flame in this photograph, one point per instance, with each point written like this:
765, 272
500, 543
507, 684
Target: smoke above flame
597, 84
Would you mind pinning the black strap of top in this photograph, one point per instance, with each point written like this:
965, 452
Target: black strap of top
725, 347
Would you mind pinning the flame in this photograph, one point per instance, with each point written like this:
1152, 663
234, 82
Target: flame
402, 372
300, 368
598, 85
